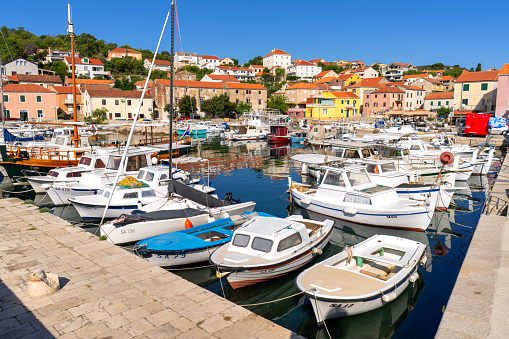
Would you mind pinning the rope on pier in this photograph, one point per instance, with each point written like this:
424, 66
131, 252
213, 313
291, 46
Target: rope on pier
273, 301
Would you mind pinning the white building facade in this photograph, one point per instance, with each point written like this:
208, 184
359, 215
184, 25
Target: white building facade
303, 69
241, 74
88, 67
277, 58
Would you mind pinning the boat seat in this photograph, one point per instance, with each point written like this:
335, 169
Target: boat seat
378, 270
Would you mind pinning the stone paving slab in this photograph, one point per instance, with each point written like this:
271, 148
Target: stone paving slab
106, 291
479, 303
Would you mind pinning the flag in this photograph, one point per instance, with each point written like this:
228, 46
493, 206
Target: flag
186, 132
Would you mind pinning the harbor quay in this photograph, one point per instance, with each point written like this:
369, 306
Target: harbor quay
479, 303
106, 291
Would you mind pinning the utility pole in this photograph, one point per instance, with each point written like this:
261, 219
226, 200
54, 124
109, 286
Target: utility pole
75, 113
2, 92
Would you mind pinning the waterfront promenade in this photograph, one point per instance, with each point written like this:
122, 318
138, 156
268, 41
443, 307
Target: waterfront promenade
106, 291
479, 303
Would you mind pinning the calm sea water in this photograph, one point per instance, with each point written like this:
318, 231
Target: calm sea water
254, 171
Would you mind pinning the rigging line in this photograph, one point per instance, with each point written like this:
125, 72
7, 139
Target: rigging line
180, 39
6, 45
128, 142
273, 301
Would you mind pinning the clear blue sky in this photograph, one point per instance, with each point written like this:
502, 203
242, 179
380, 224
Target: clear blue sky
448, 31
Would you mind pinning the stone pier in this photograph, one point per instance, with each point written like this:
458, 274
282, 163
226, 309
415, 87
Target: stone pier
106, 291
479, 303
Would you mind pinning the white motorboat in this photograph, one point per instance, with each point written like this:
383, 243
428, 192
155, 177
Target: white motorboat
347, 193
88, 162
185, 207
268, 247
362, 278
248, 133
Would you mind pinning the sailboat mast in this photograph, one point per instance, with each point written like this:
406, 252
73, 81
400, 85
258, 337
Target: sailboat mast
73, 67
2, 92
170, 149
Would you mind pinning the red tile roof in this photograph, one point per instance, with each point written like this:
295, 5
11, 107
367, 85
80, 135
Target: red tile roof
79, 61
325, 80
416, 76
209, 57
39, 78
26, 88
276, 51
257, 66
345, 95
304, 63
478, 76
302, 85
160, 62
241, 85
142, 83
191, 83
124, 50
235, 68
316, 61
446, 78
221, 77
64, 89
345, 76
93, 81
402, 64
445, 95
114, 93
389, 90
504, 70
321, 74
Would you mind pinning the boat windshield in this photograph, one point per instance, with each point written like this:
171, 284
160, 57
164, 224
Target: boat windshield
53, 174
134, 162
85, 161
140, 175
357, 177
334, 178
388, 167
261, 244
241, 240
289, 242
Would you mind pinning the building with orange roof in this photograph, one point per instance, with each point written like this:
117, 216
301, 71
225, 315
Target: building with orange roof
502, 103
44, 80
366, 85
90, 82
240, 73
121, 105
316, 61
412, 77
300, 91
333, 106
88, 67
303, 70
395, 70
121, 53
161, 65
253, 94
29, 102
356, 64
65, 100
428, 84
325, 74
208, 61
434, 101
226, 62
184, 75
447, 82
140, 84
277, 58
476, 91
219, 78
382, 100
366, 72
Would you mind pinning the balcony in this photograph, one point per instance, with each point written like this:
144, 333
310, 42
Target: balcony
348, 106
68, 101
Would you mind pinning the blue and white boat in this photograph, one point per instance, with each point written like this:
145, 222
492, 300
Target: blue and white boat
192, 130
191, 245
299, 138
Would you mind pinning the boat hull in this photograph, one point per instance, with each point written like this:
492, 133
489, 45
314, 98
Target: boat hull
61, 195
90, 212
180, 258
146, 229
274, 139
415, 219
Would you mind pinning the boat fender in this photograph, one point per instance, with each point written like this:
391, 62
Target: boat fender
423, 261
350, 211
317, 251
389, 297
45, 186
418, 197
188, 223
306, 201
414, 277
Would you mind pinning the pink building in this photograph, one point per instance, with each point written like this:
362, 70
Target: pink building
30, 102
383, 100
502, 109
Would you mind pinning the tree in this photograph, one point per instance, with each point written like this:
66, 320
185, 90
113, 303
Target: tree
258, 60
280, 74
61, 70
242, 107
158, 74
376, 67
454, 72
235, 62
218, 105
98, 115
200, 72
278, 102
124, 84
187, 105
478, 68
444, 111
412, 72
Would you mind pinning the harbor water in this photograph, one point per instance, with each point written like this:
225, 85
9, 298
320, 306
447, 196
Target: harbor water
255, 171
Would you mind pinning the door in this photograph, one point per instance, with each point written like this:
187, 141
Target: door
23, 115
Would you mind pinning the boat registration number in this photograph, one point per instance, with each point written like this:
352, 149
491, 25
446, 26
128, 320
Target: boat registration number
62, 189
167, 256
392, 216
132, 230
270, 270
341, 305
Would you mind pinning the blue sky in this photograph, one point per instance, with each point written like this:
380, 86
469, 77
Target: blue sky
448, 31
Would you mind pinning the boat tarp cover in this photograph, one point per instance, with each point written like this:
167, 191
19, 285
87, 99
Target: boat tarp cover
9, 137
194, 195
160, 215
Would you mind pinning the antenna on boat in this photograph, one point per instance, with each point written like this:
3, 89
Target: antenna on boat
170, 147
73, 68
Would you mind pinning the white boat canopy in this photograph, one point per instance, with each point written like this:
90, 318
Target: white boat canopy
315, 158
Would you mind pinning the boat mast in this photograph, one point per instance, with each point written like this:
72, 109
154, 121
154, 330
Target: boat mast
2, 92
73, 67
170, 149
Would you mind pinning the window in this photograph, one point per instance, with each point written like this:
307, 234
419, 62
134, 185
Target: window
341, 111
447, 103
334, 178
440, 103
103, 102
22, 98
39, 113
241, 240
484, 87
6, 98
348, 102
38, 98
118, 115
366, 105
354, 102
7, 113
464, 102
116, 102
131, 195
466, 87
148, 194
289, 242
324, 111
375, 96
432, 103
128, 102
149, 177
262, 244
342, 102
85, 161
375, 104
385, 95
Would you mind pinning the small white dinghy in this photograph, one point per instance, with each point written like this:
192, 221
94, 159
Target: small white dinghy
268, 247
362, 278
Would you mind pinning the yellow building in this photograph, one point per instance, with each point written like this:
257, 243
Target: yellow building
476, 91
334, 106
